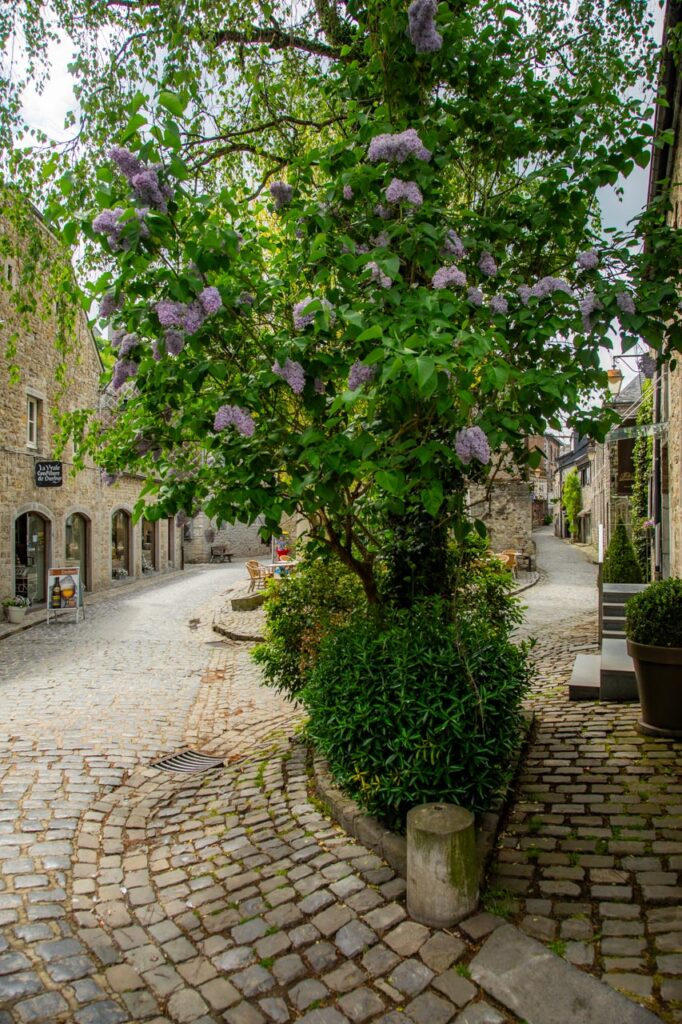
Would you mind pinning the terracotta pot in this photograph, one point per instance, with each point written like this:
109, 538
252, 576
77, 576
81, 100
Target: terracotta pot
659, 684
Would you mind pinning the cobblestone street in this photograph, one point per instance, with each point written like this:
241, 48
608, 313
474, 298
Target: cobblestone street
591, 856
128, 893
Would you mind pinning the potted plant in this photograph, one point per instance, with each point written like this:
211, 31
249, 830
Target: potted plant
15, 608
653, 627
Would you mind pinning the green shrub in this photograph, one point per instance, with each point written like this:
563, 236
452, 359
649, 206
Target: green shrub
301, 609
482, 587
621, 564
416, 708
572, 500
655, 616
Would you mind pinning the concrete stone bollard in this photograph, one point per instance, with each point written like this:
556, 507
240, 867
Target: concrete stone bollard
442, 868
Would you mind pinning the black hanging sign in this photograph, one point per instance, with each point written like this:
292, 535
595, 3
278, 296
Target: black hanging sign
49, 474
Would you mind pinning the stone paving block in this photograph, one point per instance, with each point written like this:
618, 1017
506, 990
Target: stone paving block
288, 968
275, 1010
70, 969
480, 1013
254, 981
407, 938
354, 937
325, 1015
106, 1012
41, 1009
344, 978
123, 978
360, 1005
538, 986
243, 1013
10, 963
186, 1005
329, 921
307, 992
441, 951
219, 993
480, 925
13, 986
235, 959
429, 1008
321, 955
410, 977
457, 989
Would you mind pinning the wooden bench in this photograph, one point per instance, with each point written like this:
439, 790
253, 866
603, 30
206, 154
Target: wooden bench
219, 553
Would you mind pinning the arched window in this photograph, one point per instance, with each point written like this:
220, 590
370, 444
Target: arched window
120, 544
76, 544
31, 535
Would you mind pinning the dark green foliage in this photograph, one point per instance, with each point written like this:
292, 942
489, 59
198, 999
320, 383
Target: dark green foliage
572, 500
642, 458
620, 561
655, 616
301, 609
482, 585
416, 708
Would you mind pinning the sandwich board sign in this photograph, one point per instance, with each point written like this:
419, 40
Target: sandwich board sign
64, 590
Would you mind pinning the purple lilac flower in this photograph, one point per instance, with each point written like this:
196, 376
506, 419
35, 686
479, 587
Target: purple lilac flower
404, 191
281, 193
210, 300
318, 386
303, 320
453, 246
293, 373
360, 374
128, 343
448, 277
194, 318
347, 193
170, 314
588, 260
141, 222
523, 292
625, 302
471, 443
499, 304
123, 370
548, 285
380, 241
127, 162
109, 305
588, 305
233, 415
383, 280
117, 338
108, 479
382, 212
246, 299
146, 187
175, 342
487, 265
108, 223
157, 350
421, 16
475, 297
397, 148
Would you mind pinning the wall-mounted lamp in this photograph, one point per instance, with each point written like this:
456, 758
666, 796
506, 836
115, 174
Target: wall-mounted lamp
615, 381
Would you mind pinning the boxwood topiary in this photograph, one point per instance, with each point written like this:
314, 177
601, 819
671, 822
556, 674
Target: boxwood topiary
621, 564
416, 708
655, 616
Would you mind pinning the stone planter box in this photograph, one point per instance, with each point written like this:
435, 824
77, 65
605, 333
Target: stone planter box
15, 614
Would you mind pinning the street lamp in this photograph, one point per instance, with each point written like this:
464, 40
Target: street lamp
615, 381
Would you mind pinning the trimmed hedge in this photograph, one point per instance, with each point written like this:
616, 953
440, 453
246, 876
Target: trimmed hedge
655, 616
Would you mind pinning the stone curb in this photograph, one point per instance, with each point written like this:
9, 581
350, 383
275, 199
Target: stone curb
232, 634
536, 576
369, 831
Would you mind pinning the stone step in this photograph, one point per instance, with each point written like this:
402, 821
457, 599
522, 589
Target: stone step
613, 619
584, 682
613, 634
620, 593
542, 988
617, 674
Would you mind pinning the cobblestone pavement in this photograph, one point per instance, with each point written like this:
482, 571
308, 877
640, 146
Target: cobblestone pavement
567, 588
590, 859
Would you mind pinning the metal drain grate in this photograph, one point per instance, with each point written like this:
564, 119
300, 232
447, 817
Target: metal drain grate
188, 761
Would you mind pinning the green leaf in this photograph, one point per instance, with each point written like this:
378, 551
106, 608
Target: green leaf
173, 103
370, 334
432, 499
392, 481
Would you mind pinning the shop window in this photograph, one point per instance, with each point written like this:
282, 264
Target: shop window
148, 546
76, 546
30, 556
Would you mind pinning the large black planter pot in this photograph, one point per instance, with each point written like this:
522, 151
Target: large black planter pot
659, 683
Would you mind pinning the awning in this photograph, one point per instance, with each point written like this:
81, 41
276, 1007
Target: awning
643, 430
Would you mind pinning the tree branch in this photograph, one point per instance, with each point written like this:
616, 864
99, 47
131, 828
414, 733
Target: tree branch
276, 39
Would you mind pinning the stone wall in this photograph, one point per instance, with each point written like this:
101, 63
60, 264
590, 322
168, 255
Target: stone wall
203, 533
507, 513
39, 365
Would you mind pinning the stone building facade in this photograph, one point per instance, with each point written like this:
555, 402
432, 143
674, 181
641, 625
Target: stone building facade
202, 534
80, 522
